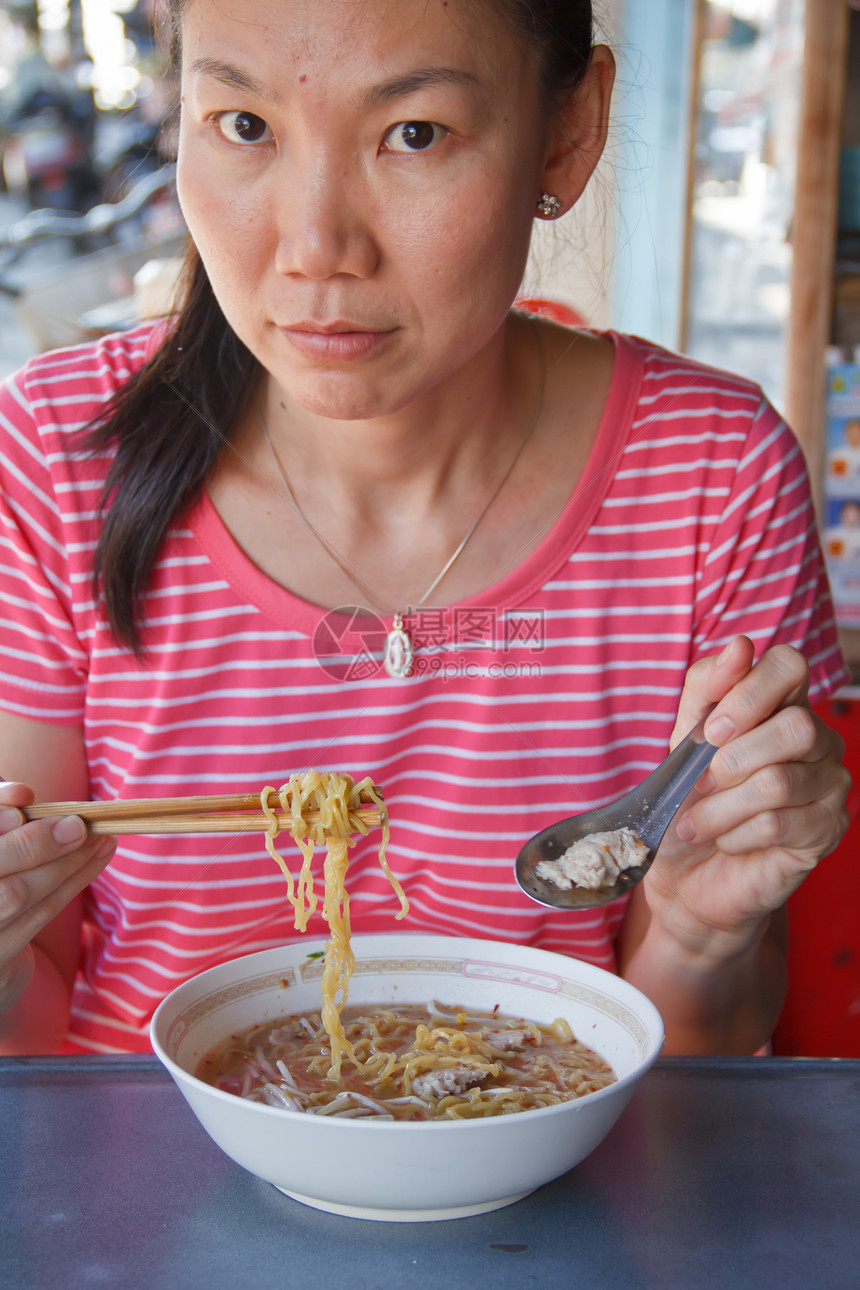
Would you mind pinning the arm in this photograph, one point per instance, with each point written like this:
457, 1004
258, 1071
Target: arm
705, 933
44, 867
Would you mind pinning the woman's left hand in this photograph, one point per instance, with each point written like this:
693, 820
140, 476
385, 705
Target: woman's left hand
774, 801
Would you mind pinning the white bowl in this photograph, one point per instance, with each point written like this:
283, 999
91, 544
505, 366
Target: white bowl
406, 1171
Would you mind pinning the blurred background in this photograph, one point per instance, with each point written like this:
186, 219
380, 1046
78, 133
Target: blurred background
724, 221
86, 106
90, 70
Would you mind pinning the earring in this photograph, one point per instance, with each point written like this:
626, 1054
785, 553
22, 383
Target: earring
548, 207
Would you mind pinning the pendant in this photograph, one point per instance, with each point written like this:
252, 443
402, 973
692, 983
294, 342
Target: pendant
398, 650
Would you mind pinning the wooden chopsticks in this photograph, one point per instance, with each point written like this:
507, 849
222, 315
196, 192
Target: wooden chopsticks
220, 813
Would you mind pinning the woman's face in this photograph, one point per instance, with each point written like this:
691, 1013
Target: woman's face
360, 178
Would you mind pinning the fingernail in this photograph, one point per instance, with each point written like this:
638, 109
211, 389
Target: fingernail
686, 830
719, 730
10, 819
69, 829
726, 654
105, 849
707, 783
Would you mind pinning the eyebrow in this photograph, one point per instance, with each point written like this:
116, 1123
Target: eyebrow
230, 75
400, 86
395, 88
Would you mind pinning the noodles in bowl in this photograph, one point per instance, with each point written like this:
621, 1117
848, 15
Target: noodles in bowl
409, 1170
409, 1063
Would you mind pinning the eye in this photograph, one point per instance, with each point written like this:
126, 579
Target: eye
243, 127
414, 136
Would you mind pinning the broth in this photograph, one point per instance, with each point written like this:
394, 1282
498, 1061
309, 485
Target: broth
412, 1063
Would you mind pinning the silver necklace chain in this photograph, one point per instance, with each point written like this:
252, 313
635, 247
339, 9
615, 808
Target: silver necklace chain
399, 642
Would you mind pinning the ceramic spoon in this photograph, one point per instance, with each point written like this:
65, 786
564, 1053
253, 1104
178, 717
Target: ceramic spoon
648, 810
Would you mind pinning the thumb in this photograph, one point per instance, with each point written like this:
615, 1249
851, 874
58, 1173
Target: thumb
710, 680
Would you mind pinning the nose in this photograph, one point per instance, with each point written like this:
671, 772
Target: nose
326, 223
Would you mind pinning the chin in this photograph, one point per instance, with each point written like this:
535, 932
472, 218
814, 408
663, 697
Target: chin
358, 392
339, 396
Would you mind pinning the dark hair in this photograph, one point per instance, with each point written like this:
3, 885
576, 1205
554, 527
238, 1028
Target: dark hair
561, 33
169, 422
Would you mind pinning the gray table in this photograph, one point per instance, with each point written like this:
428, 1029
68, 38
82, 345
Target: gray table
724, 1173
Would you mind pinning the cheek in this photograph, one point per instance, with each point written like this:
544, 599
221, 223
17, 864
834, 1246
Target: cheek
227, 229
468, 245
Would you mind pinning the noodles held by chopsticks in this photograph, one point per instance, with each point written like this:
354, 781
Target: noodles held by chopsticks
337, 798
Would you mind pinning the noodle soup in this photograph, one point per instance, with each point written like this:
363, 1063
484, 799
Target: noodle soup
406, 1170
412, 1063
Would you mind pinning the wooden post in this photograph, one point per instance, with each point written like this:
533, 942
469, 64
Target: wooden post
814, 230
692, 127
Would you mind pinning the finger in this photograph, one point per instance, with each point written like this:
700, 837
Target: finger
14, 794
804, 834
787, 786
793, 734
65, 878
25, 888
36, 858
26, 846
710, 680
779, 679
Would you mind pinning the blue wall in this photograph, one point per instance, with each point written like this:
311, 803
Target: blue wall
649, 156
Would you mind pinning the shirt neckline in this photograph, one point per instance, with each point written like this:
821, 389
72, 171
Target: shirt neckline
564, 533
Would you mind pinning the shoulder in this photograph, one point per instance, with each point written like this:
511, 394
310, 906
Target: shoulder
688, 404
673, 381
68, 387
45, 407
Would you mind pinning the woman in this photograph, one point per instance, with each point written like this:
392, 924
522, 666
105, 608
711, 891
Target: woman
582, 541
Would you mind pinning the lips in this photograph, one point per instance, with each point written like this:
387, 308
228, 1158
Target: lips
339, 341
330, 328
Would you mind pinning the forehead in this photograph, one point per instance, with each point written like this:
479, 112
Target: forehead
345, 34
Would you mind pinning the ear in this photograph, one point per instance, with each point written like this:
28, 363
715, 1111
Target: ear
577, 134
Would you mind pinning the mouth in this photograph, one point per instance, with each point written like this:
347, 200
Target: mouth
338, 340
337, 328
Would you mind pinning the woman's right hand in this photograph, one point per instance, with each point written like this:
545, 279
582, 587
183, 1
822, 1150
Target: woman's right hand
44, 864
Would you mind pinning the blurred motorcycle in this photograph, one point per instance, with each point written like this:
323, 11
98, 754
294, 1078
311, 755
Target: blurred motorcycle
46, 157
70, 276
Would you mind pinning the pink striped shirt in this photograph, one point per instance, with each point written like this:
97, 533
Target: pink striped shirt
552, 691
